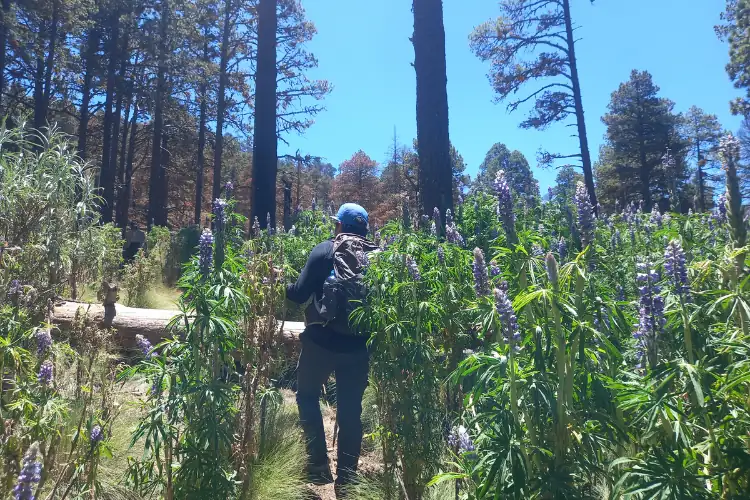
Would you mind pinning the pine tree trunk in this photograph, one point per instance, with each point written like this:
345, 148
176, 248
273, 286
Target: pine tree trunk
92, 43
4, 19
588, 171
107, 171
123, 153
124, 201
433, 142
221, 100
40, 112
701, 183
200, 163
49, 66
156, 215
265, 145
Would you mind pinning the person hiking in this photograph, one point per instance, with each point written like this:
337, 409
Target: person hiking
332, 276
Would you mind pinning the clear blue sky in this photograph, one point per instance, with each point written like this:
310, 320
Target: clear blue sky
364, 50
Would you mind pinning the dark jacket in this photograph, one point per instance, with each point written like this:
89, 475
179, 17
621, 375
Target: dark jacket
310, 282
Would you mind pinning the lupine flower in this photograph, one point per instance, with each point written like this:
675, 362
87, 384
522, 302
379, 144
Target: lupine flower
220, 213
616, 239
43, 340
537, 250
228, 189
30, 475
269, 228
144, 345
96, 435
297, 210
433, 228
293, 230
720, 215
441, 255
674, 265
508, 321
503, 285
314, 205
453, 236
494, 270
459, 438
585, 214
46, 373
377, 238
413, 268
481, 282
448, 217
620, 293
256, 227
552, 269
206, 252
651, 311
729, 148
562, 248
504, 202
424, 220
436, 216
656, 218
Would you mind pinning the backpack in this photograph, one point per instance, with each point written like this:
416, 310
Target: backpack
344, 290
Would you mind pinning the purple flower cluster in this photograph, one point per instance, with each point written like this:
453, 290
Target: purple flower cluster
537, 250
46, 374
452, 235
433, 229
459, 438
585, 215
508, 321
256, 227
504, 202
43, 341
413, 268
441, 255
228, 189
651, 313
144, 345
219, 210
96, 435
494, 270
314, 205
436, 216
206, 251
448, 217
30, 475
720, 214
616, 239
481, 281
729, 148
656, 218
674, 265
269, 228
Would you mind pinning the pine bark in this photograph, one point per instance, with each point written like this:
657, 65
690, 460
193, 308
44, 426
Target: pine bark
107, 171
265, 146
221, 100
92, 43
156, 206
433, 142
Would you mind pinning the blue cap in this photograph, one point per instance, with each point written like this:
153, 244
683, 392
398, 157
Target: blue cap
351, 214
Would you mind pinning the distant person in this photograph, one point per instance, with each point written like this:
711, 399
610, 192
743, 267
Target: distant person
332, 276
134, 241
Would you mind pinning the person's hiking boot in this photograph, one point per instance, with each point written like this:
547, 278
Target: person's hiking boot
319, 474
341, 490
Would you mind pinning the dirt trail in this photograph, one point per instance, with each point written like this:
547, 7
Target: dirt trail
369, 462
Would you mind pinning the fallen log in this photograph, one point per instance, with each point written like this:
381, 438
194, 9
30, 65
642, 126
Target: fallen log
127, 322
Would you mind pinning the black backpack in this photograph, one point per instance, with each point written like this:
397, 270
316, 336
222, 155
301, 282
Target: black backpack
344, 290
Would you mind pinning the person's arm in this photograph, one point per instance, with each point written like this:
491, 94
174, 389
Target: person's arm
313, 275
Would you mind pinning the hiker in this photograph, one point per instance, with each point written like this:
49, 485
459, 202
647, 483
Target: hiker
333, 277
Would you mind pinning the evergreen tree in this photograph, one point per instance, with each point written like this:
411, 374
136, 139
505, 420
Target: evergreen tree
516, 168
703, 131
736, 30
357, 181
565, 184
544, 29
641, 130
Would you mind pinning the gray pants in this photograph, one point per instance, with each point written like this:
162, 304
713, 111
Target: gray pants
351, 370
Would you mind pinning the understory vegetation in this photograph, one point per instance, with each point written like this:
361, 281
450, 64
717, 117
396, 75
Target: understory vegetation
536, 350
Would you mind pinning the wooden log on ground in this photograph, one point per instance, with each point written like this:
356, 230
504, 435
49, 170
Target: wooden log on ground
127, 322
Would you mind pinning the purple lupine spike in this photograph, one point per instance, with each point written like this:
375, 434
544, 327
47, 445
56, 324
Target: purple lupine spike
206, 251
562, 248
656, 218
433, 228
675, 266
413, 268
229, 189
269, 228
219, 209
585, 214
508, 321
314, 205
30, 475
256, 227
43, 341
651, 313
494, 270
616, 240
552, 268
504, 202
96, 435
46, 373
481, 281
459, 438
436, 216
448, 217
537, 250
144, 345
453, 236
441, 255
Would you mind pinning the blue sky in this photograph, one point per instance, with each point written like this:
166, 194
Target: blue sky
364, 50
